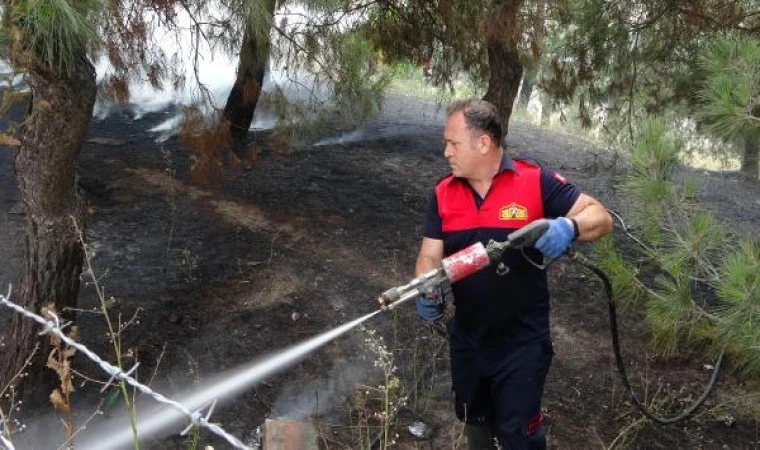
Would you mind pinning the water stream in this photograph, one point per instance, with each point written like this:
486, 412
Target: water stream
163, 418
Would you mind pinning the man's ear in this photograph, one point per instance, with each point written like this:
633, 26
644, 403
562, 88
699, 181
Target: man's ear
484, 143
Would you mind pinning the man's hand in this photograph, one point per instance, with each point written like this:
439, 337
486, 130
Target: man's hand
430, 305
557, 238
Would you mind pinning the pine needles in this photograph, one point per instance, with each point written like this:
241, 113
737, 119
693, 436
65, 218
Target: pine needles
698, 283
732, 85
730, 96
739, 319
50, 33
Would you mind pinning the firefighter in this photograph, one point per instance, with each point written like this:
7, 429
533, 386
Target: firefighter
499, 336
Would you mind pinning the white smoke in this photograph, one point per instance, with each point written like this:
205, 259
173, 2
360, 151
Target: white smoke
299, 401
216, 71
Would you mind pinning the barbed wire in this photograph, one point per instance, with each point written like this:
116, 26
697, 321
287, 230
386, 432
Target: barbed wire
54, 326
6, 444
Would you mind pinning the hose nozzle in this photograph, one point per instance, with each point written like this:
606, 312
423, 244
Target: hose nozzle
400, 294
389, 297
463, 264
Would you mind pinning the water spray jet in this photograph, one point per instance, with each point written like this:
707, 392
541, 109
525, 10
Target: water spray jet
453, 268
160, 418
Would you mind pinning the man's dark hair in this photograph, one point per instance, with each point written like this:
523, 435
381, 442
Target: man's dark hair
480, 115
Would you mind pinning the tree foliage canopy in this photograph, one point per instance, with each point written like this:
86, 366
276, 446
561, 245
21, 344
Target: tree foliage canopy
730, 96
638, 56
452, 34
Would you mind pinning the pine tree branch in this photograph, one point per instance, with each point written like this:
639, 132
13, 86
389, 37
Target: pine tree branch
650, 251
295, 43
646, 24
635, 53
709, 20
655, 257
701, 312
344, 12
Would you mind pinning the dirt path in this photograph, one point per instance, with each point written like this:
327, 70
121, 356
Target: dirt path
303, 242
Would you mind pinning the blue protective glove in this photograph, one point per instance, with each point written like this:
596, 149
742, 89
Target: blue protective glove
430, 305
556, 240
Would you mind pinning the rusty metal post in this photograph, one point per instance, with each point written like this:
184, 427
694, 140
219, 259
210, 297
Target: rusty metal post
289, 435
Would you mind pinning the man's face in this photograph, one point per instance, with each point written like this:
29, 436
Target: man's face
461, 147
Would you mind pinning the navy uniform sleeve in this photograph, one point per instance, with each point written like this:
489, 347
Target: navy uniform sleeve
557, 195
433, 228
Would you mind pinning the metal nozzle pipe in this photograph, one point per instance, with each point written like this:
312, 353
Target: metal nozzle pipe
464, 263
402, 299
411, 289
389, 297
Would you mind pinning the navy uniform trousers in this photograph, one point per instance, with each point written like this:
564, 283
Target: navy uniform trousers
500, 387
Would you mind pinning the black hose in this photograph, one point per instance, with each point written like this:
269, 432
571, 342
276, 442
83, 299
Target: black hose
619, 357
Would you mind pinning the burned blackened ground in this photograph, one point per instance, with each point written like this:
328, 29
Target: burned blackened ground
306, 240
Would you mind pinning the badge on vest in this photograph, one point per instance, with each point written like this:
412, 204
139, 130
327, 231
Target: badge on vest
513, 211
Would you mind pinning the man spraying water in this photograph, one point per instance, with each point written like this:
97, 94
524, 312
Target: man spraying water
499, 337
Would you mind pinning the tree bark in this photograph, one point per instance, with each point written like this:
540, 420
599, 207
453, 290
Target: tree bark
751, 158
529, 80
242, 101
58, 118
504, 64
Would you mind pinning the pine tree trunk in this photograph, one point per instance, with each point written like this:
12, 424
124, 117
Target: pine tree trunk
504, 65
45, 163
241, 103
529, 80
547, 107
751, 158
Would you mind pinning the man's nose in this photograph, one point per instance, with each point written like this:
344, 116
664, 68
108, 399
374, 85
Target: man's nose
448, 151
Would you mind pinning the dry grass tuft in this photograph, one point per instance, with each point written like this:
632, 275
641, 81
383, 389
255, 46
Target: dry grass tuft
281, 288
282, 142
210, 140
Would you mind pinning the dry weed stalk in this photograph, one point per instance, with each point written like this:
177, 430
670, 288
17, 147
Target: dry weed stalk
359, 404
170, 187
627, 434
59, 360
391, 391
659, 401
114, 332
8, 395
377, 407
98, 411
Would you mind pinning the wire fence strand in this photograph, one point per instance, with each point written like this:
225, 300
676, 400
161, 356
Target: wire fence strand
53, 326
6, 444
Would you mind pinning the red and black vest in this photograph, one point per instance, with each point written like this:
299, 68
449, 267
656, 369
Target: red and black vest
490, 307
